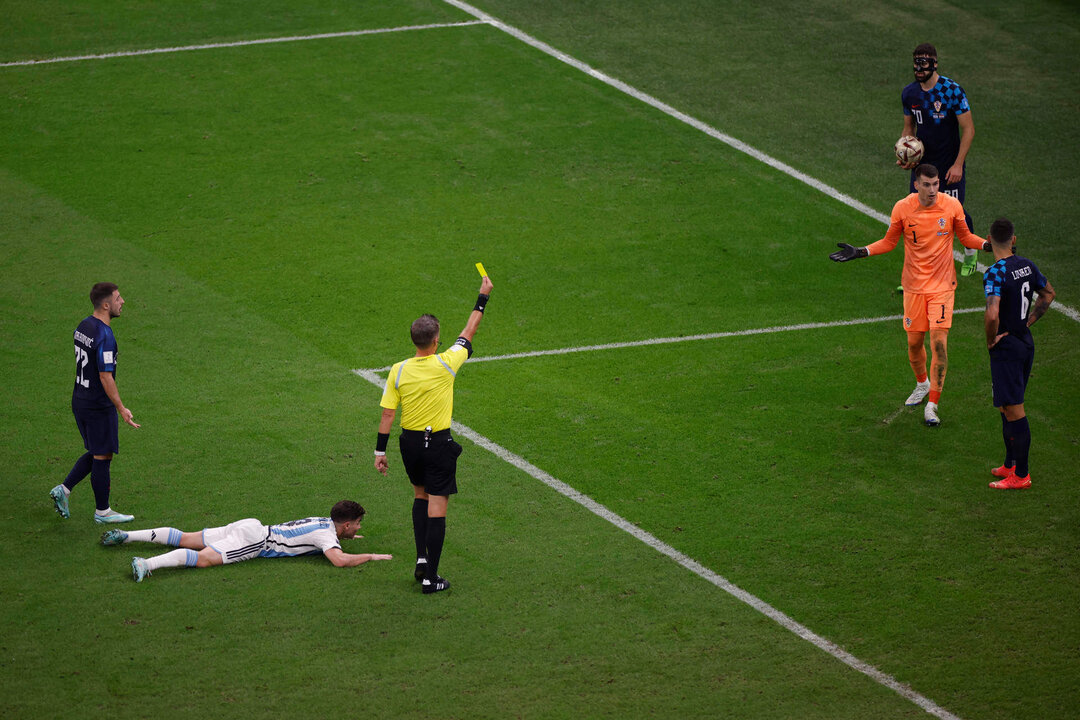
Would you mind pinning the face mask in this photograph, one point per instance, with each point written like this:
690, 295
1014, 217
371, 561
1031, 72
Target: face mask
926, 65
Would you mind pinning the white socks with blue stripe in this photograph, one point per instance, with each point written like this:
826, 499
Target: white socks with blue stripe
176, 558
161, 536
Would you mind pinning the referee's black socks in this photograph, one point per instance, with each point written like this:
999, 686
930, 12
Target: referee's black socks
419, 526
436, 533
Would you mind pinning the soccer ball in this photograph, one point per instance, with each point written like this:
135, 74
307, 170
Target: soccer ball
909, 149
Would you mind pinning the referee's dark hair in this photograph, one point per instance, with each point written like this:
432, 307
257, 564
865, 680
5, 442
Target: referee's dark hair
1001, 231
424, 330
101, 292
347, 510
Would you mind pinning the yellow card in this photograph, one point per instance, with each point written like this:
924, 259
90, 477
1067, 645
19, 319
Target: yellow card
481, 270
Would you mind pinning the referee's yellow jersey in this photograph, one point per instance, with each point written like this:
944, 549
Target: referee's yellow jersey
424, 387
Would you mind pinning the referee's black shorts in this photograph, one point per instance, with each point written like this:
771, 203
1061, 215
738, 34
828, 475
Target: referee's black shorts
434, 467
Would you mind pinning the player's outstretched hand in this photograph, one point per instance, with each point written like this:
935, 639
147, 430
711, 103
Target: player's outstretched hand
381, 557
126, 415
848, 252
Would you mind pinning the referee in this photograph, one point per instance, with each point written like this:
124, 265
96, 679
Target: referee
423, 386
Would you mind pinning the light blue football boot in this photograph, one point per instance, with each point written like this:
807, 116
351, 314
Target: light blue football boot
60, 500
112, 517
113, 537
139, 570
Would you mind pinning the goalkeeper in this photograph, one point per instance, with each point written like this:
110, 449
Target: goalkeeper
927, 220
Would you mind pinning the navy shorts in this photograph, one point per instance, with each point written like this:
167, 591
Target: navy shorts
433, 467
1010, 367
99, 427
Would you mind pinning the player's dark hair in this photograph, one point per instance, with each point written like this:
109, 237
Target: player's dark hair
347, 510
925, 50
101, 292
926, 170
1001, 231
424, 330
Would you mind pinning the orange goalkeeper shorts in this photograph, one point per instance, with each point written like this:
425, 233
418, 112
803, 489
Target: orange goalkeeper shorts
928, 312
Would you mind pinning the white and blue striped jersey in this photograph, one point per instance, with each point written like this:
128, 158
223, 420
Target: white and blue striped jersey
310, 536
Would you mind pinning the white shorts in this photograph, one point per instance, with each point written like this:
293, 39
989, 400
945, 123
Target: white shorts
237, 541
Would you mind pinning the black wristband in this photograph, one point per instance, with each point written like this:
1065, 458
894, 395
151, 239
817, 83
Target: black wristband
380, 442
481, 301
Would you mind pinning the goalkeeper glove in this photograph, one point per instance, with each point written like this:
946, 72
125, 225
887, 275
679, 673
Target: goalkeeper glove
848, 252
971, 257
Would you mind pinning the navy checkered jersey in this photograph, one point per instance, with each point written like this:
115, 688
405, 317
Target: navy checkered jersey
1015, 280
95, 353
935, 114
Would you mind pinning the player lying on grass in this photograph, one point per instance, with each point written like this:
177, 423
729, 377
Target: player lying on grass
247, 539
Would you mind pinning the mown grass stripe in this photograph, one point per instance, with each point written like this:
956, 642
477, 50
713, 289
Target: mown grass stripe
690, 564
699, 125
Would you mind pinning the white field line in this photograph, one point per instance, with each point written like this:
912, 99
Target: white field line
484, 18
372, 376
802, 631
239, 43
697, 124
892, 416
519, 462
690, 564
688, 338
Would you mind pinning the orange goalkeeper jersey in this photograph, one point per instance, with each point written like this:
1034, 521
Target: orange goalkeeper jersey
928, 241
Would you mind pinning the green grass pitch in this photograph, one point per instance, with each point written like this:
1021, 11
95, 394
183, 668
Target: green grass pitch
277, 214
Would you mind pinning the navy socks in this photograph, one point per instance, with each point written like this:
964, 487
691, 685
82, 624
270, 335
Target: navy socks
99, 478
79, 471
1020, 435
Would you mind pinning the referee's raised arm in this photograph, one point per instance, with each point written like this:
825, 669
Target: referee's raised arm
478, 312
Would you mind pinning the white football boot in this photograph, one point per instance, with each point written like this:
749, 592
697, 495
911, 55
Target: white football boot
919, 393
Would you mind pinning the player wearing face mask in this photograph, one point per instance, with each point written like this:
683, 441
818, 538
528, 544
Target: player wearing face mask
936, 111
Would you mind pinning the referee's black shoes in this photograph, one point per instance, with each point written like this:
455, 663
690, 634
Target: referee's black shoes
439, 585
